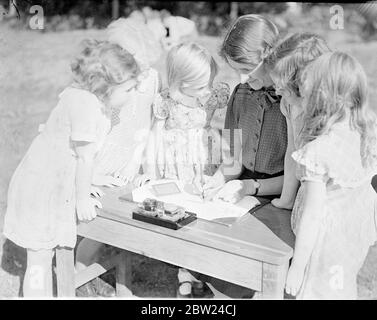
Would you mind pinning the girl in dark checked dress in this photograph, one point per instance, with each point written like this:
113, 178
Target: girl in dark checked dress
257, 128
257, 131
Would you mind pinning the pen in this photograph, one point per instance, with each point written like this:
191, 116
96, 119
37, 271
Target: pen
221, 223
213, 221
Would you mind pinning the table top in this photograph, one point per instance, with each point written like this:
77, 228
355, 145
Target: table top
246, 236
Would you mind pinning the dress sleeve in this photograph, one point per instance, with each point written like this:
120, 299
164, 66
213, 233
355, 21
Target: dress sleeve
84, 115
219, 96
312, 161
161, 107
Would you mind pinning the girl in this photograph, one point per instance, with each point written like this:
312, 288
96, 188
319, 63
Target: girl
334, 213
254, 110
53, 180
288, 60
256, 127
122, 154
181, 118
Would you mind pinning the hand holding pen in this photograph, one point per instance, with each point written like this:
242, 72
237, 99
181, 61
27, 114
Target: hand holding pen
213, 185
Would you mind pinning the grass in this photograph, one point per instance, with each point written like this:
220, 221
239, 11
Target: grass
34, 69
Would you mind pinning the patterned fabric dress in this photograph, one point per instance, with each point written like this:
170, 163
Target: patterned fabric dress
182, 147
348, 228
130, 127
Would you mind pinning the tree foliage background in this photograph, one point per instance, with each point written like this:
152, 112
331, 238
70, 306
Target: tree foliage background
211, 18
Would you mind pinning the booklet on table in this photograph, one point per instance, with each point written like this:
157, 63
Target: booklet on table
177, 193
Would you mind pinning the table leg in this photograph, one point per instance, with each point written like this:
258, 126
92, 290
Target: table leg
273, 281
124, 275
65, 272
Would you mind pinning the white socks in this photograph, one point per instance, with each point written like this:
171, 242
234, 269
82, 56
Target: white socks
185, 276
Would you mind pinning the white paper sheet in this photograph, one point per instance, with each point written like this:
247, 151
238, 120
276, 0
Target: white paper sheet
208, 210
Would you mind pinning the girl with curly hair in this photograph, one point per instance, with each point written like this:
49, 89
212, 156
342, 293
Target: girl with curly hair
52, 184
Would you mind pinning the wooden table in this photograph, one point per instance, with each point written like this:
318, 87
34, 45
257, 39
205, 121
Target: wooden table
246, 253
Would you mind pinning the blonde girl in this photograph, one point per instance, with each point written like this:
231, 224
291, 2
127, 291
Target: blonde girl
52, 184
180, 120
334, 213
287, 62
181, 115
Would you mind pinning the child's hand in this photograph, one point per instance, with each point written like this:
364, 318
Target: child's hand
294, 279
213, 184
282, 204
142, 179
107, 181
128, 173
96, 192
125, 178
85, 208
198, 184
232, 192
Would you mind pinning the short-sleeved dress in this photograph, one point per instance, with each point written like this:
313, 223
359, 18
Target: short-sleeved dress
41, 195
348, 228
130, 127
183, 146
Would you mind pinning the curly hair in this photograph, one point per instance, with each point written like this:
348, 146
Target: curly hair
292, 55
249, 40
101, 65
336, 89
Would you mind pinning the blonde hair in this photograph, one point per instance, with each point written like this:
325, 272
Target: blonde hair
292, 55
250, 40
100, 65
336, 86
189, 64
